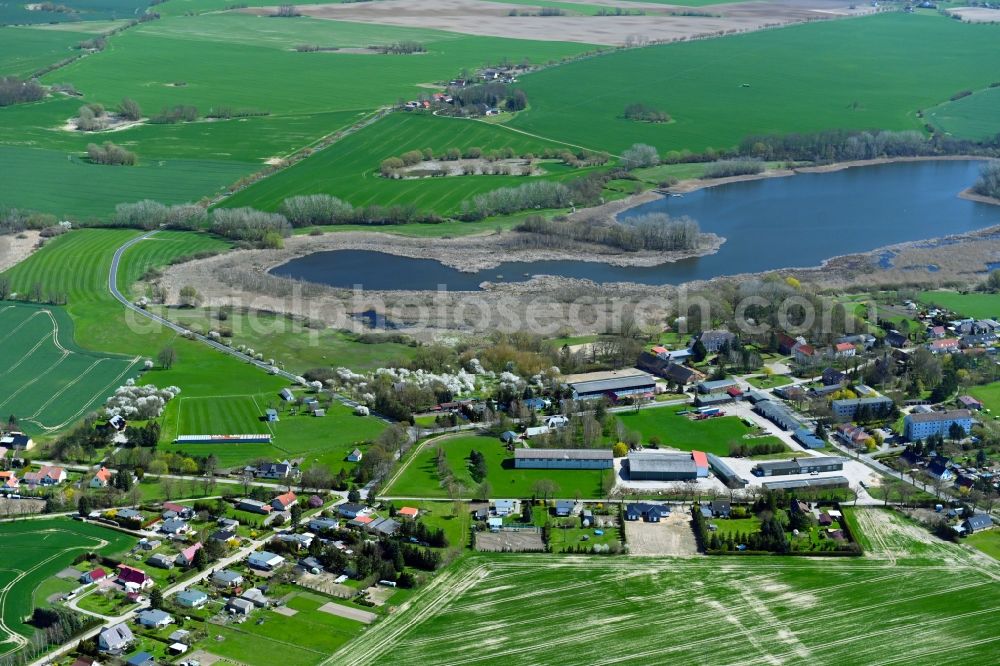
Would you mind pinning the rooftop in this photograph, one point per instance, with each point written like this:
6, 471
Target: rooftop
645, 461
931, 417
563, 454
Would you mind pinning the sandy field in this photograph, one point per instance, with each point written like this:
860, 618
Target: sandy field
671, 536
977, 14
14, 249
661, 23
350, 613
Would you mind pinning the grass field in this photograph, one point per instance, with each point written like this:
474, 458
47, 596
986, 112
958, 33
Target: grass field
35, 550
971, 117
83, 10
349, 169
975, 305
420, 477
680, 432
91, 190
746, 610
700, 83
46, 380
224, 415
26, 50
987, 542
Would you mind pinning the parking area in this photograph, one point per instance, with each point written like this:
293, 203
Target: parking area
671, 536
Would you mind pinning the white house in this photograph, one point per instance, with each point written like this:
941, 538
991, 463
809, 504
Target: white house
115, 639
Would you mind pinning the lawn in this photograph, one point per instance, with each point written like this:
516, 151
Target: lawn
47, 381
36, 550
719, 91
769, 381
680, 432
975, 305
987, 542
989, 395
349, 169
420, 477
842, 610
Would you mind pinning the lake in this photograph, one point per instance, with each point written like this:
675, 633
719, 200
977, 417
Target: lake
773, 223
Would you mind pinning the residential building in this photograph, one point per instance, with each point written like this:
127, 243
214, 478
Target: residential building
154, 618
130, 576
93, 576
977, 523
944, 345
721, 508
284, 501
833, 377
844, 350
383, 526
350, 509
227, 578
505, 507
223, 535
651, 513
563, 459
161, 561
716, 340
798, 466
265, 560
9, 481
101, 479
970, 403
355, 456
238, 606
191, 598
178, 511
718, 386
141, 659
847, 409
115, 639
271, 415
656, 466
174, 526
186, 557
408, 512
46, 476
923, 425
896, 339
286, 394
321, 524
804, 353
565, 507
272, 470
257, 597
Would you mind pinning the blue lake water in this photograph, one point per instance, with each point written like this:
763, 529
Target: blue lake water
768, 224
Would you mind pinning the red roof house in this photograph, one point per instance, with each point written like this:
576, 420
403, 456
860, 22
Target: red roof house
282, 502
408, 512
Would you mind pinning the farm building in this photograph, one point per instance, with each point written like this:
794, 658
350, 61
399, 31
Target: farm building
977, 523
271, 415
798, 466
778, 414
700, 463
649, 466
253, 506
614, 385
808, 484
662, 365
922, 426
17, 441
355, 456
712, 399
286, 394
725, 472
563, 459
808, 439
718, 386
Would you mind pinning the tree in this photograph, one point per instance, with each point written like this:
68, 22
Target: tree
4, 288
156, 597
620, 450
189, 297
956, 432
698, 351
640, 155
84, 505
129, 109
200, 559
353, 496
167, 357
296, 513
545, 488
123, 480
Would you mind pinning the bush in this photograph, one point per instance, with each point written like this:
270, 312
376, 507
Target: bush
988, 183
149, 214
129, 109
109, 153
736, 167
656, 231
644, 113
15, 91
310, 209
542, 194
640, 155
247, 224
176, 114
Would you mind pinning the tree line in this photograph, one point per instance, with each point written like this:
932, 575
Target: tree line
655, 231
14, 90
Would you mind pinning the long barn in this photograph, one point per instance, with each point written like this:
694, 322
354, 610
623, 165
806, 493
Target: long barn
563, 459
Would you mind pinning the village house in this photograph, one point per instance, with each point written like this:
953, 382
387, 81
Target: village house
154, 618
844, 350
45, 476
716, 340
186, 556
101, 479
132, 577
176, 511
651, 513
191, 599
265, 560
944, 346
321, 524
970, 403
174, 526
161, 561
977, 523
93, 576
271, 470
350, 509
115, 639
17, 441
227, 578
284, 502
9, 481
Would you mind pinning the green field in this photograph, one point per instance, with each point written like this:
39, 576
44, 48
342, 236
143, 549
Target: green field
971, 117
746, 610
16, 13
26, 50
92, 190
988, 542
47, 381
349, 169
35, 550
680, 432
988, 394
700, 83
975, 305
318, 440
223, 415
420, 477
